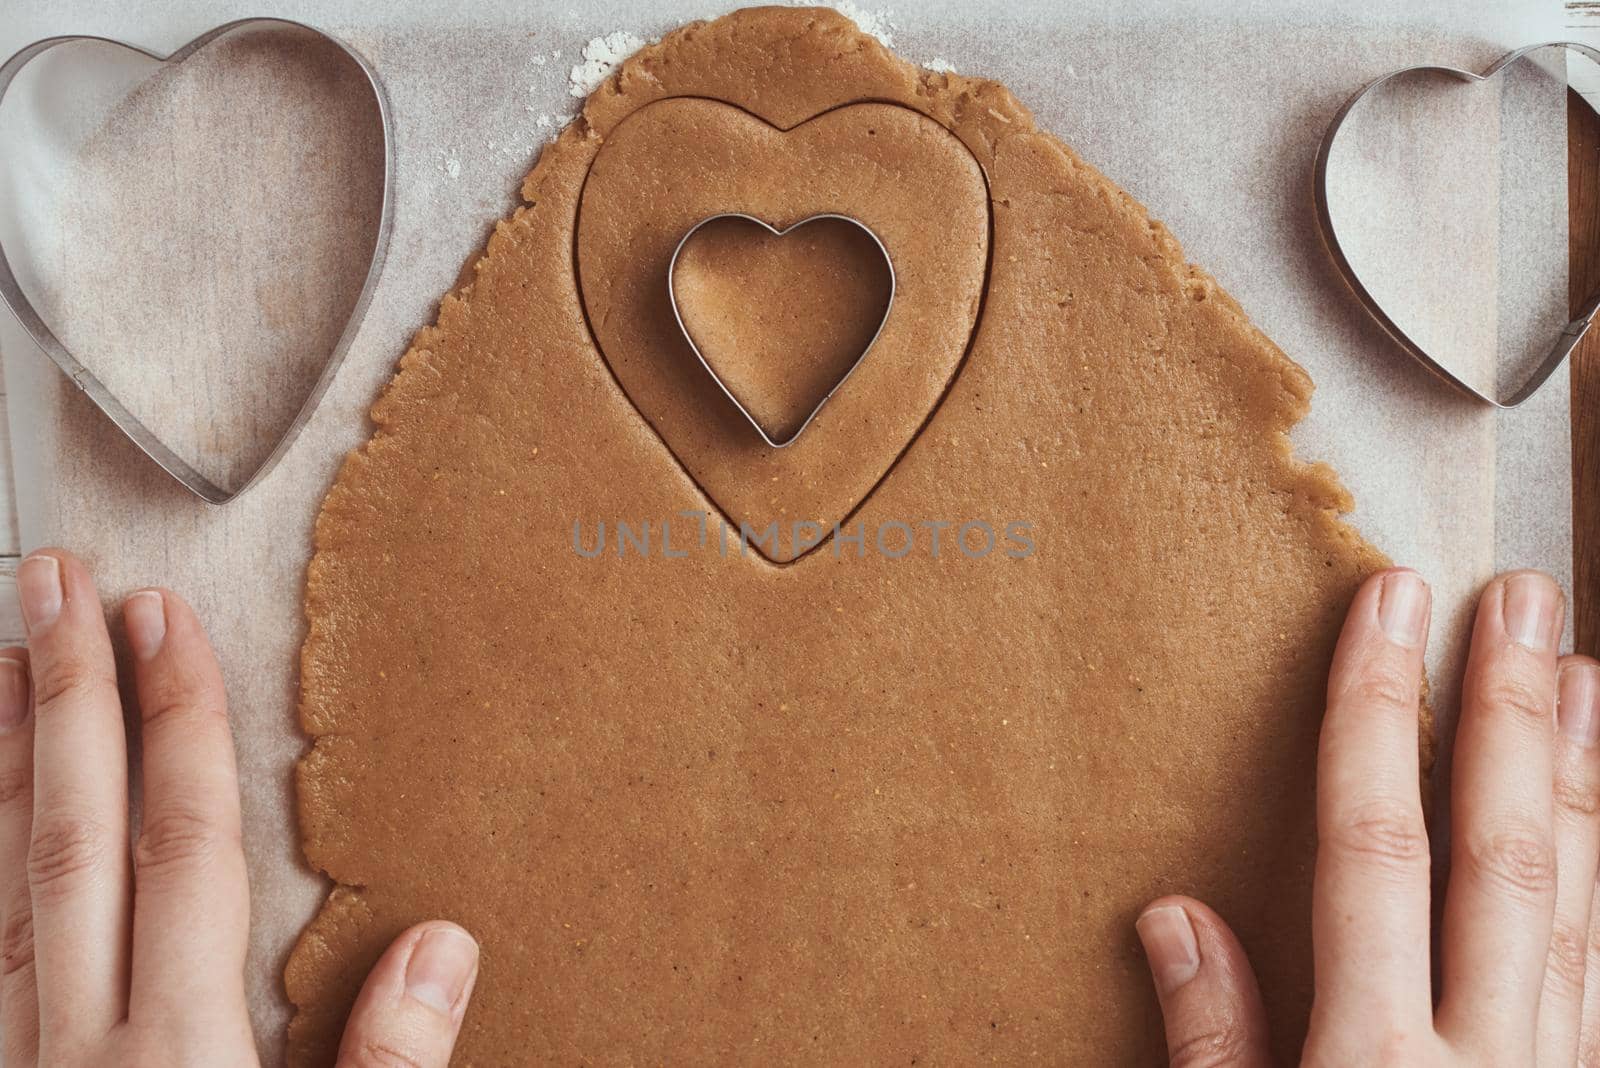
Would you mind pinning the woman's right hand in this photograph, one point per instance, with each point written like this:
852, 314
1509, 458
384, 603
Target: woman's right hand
1519, 953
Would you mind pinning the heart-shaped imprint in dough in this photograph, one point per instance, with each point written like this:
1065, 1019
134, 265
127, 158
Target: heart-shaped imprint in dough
675, 162
781, 317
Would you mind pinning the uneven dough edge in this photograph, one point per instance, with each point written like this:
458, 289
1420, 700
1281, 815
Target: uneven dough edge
326, 966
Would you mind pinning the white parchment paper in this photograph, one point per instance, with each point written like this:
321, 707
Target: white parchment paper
1209, 114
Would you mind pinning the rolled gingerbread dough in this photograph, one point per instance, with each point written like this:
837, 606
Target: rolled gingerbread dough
833, 804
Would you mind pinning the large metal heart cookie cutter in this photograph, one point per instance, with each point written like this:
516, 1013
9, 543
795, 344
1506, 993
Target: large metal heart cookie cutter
141, 434
672, 295
1570, 334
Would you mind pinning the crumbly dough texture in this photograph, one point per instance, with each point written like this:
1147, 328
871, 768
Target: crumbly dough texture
847, 809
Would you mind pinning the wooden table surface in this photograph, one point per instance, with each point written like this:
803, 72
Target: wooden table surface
1583, 186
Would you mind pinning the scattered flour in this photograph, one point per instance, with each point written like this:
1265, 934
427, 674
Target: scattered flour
547, 125
877, 24
601, 56
940, 66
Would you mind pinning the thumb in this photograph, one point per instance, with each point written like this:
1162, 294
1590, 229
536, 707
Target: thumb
1209, 999
409, 1011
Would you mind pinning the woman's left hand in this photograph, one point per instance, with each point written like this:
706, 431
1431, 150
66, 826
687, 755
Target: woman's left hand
130, 954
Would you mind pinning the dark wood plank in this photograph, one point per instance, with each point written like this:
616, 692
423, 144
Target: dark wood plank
1583, 192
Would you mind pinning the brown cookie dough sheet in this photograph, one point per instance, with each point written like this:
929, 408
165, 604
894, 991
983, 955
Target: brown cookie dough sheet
836, 811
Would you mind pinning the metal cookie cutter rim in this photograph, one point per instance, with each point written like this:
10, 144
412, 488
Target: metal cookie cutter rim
136, 430
1569, 335
672, 297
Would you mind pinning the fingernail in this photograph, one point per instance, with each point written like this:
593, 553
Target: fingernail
440, 968
13, 693
144, 616
1578, 703
39, 589
1531, 608
1403, 607
1169, 942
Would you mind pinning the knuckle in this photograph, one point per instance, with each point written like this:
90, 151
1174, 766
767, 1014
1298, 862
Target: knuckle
1575, 793
69, 681
65, 851
181, 706
1569, 960
1397, 1048
1215, 1047
180, 837
1520, 700
1517, 860
1385, 688
16, 784
1387, 832
1593, 943
379, 1053
16, 942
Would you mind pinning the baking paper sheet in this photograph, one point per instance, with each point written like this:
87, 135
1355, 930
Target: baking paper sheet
1209, 114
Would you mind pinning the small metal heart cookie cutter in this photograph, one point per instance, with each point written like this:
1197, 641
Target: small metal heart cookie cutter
141, 434
1570, 334
672, 295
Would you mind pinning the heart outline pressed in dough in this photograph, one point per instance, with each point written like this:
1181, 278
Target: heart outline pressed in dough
132, 426
1569, 336
677, 314
663, 433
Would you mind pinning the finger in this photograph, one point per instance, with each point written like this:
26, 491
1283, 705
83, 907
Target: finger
1370, 911
1577, 841
409, 1012
78, 863
1209, 1000
19, 997
188, 859
1589, 1030
1501, 896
